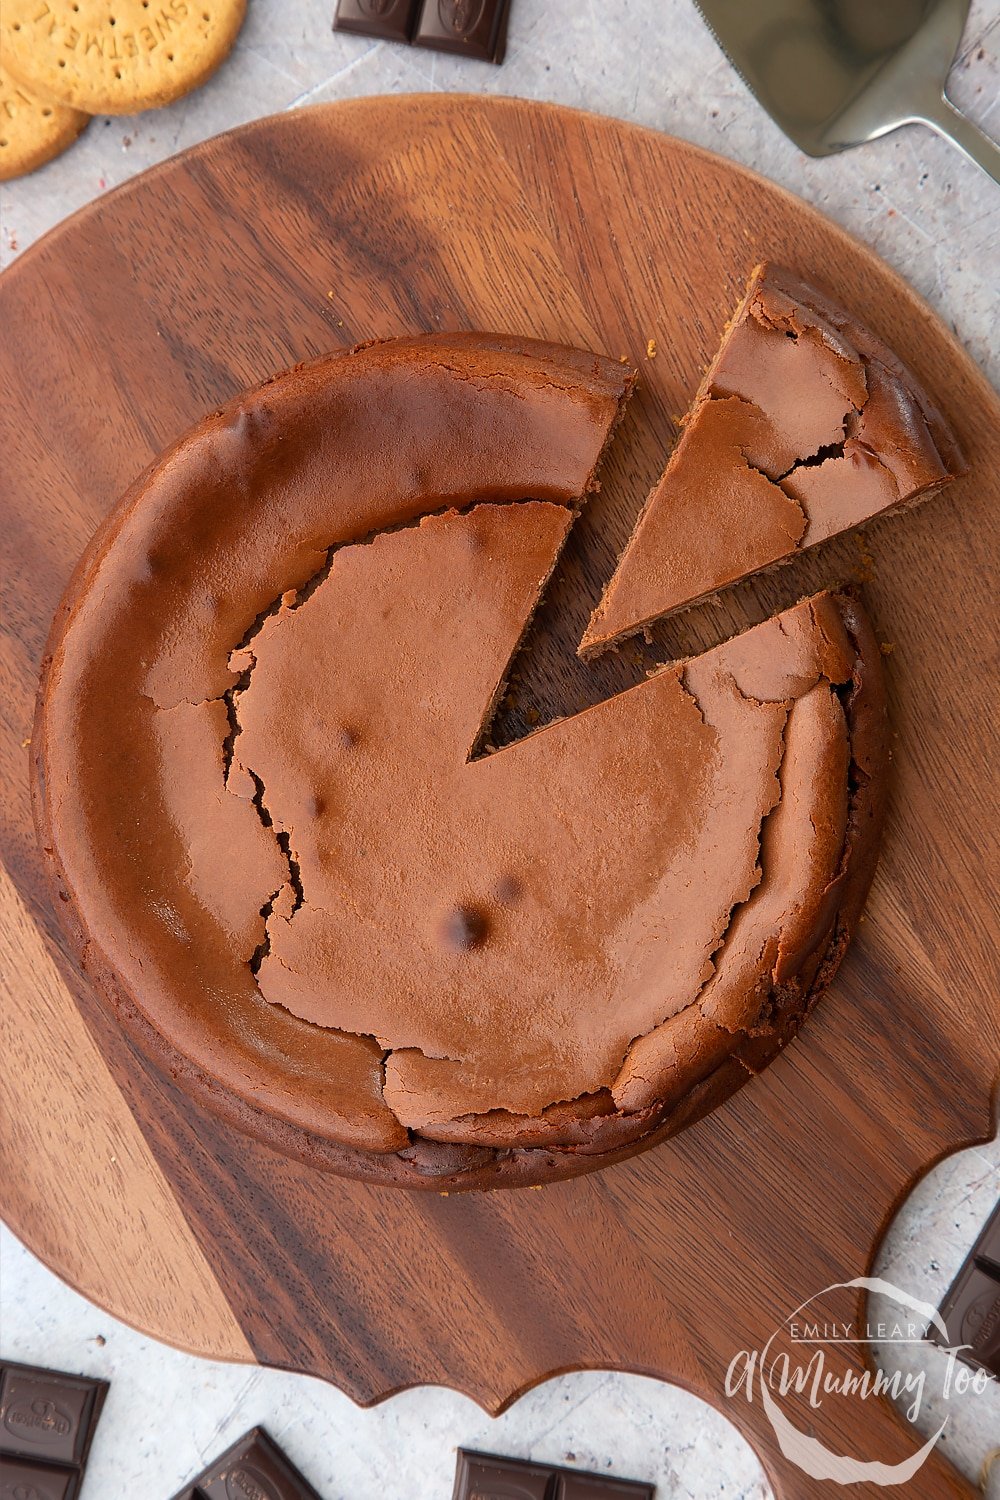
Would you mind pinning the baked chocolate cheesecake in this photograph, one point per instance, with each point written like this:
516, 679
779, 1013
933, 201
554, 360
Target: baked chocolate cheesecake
805, 425
289, 859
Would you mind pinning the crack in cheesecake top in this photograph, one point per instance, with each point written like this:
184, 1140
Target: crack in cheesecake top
805, 425
270, 812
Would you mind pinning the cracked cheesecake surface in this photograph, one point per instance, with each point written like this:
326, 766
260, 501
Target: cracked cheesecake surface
805, 426
292, 865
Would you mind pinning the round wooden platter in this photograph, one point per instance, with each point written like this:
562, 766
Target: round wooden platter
363, 220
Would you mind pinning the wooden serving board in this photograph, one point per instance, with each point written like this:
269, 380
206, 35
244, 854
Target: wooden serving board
368, 219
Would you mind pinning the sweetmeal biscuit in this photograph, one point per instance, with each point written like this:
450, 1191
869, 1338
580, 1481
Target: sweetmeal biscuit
32, 130
116, 56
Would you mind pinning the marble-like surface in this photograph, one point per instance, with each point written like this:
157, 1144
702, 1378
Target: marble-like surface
921, 1254
169, 1413
936, 219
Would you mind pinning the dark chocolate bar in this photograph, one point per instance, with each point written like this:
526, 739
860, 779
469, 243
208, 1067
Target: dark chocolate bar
20, 1479
252, 1469
572, 1486
47, 1422
389, 20
971, 1310
471, 28
484, 1476
987, 1247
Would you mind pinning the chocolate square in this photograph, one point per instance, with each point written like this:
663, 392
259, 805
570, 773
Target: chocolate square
971, 1310
388, 20
485, 1476
471, 28
46, 1415
987, 1247
20, 1479
572, 1486
254, 1468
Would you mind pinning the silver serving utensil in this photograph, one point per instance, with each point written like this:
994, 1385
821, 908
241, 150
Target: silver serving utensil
837, 73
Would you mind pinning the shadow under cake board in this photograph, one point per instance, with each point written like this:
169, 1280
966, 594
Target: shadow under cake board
327, 226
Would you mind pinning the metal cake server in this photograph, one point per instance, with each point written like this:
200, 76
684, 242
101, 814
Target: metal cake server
837, 73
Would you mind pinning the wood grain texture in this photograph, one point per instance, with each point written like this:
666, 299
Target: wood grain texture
378, 217
76, 1167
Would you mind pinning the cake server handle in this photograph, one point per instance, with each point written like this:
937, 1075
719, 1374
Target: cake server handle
937, 111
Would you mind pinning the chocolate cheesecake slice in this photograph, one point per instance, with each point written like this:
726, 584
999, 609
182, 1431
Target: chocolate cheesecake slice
805, 425
289, 860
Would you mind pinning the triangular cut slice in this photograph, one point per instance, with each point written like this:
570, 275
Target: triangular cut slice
805, 425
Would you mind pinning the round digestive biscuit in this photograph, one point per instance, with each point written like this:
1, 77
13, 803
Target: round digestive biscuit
32, 130
116, 56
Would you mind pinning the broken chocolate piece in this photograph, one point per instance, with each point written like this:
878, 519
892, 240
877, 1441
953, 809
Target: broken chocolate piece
573, 1486
971, 1310
47, 1422
23, 1480
388, 20
972, 1314
471, 28
254, 1468
987, 1247
485, 1476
